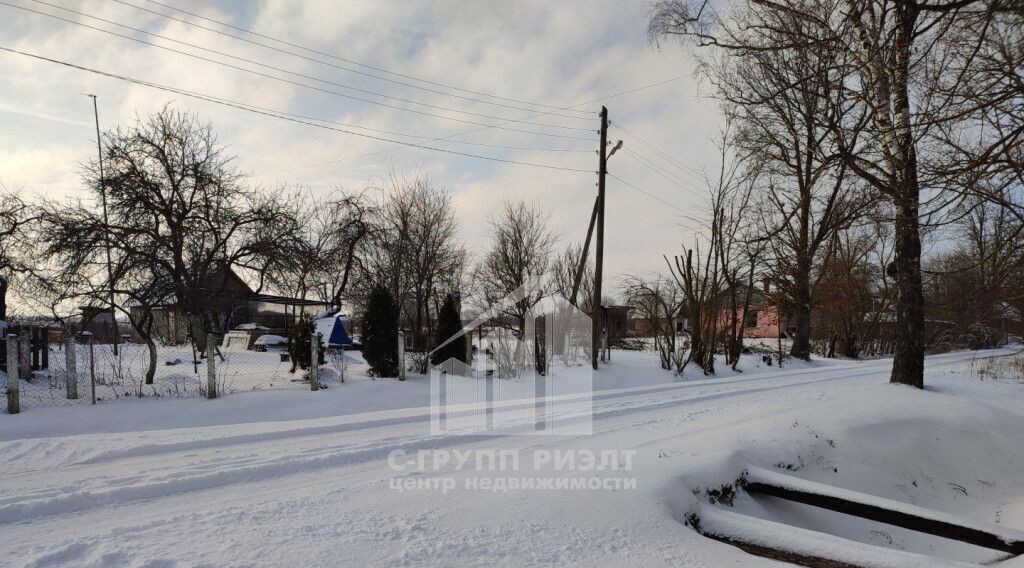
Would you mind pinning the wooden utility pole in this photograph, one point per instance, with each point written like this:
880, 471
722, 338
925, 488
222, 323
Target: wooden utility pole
106, 224
583, 256
596, 314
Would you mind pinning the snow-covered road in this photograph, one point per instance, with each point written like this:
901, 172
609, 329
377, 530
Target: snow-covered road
321, 491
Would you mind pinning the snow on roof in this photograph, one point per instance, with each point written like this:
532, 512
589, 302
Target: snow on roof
271, 339
251, 326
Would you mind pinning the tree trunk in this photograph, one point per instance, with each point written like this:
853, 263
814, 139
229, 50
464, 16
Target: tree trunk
801, 348
145, 331
151, 371
908, 362
197, 332
3, 298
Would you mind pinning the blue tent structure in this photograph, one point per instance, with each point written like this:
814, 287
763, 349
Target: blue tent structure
333, 331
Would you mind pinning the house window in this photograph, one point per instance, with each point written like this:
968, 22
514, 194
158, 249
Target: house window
679, 327
751, 319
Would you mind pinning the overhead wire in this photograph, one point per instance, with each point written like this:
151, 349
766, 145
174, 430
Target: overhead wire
658, 198
661, 153
243, 106
329, 55
308, 86
471, 131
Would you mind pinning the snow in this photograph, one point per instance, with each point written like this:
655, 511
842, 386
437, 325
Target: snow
293, 477
271, 339
815, 544
773, 478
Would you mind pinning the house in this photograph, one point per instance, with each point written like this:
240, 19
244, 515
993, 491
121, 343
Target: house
100, 324
336, 331
646, 327
765, 319
616, 322
233, 303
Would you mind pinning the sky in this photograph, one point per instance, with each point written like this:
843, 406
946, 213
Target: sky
462, 76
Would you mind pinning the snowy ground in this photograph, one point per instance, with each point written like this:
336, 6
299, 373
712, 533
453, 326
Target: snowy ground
286, 478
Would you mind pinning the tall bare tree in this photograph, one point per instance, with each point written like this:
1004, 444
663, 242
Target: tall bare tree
894, 48
565, 269
658, 300
519, 257
179, 213
325, 251
15, 217
413, 249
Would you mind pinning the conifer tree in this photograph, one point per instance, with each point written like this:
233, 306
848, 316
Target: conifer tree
449, 323
380, 333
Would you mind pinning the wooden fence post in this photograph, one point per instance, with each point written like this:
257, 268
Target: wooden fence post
314, 362
70, 372
13, 404
401, 355
25, 353
211, 370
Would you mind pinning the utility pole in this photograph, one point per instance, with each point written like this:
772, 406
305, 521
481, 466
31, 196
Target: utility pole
596, 312
106, 224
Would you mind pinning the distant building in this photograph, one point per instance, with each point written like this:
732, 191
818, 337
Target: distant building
100, 324
765, 319
616, 321
233, 304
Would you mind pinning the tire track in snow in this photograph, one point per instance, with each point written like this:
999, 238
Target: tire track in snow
171, 477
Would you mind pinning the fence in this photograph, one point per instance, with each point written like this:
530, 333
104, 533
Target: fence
80, 371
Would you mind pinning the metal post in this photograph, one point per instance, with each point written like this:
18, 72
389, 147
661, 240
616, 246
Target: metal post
106, 225
13, 403
92, 367
70, 372
401, 355
211, 369
314, 362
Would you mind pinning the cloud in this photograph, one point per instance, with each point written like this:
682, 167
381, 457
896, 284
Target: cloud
554, 53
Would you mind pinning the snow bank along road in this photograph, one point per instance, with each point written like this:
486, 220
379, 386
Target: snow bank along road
324, 492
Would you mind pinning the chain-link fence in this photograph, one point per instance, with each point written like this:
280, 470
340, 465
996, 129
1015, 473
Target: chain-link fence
81, 372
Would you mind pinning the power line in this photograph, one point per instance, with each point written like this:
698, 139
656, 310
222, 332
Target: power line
682, 183
662, 154
312, 87
259, 64
684, 214
331, 56
598, 99
274, 114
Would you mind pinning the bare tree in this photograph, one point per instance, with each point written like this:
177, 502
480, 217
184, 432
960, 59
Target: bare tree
411, 246
519, 257
699, 280
324, 253
179, 212
976, 282
736, 245
658, 300
76, 272
16, 217
900, 52
853, 289
565, 269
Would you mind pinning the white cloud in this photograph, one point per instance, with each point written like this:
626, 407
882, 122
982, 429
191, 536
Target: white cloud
556, 53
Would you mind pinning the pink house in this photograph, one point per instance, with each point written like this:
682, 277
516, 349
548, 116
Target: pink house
761, 321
